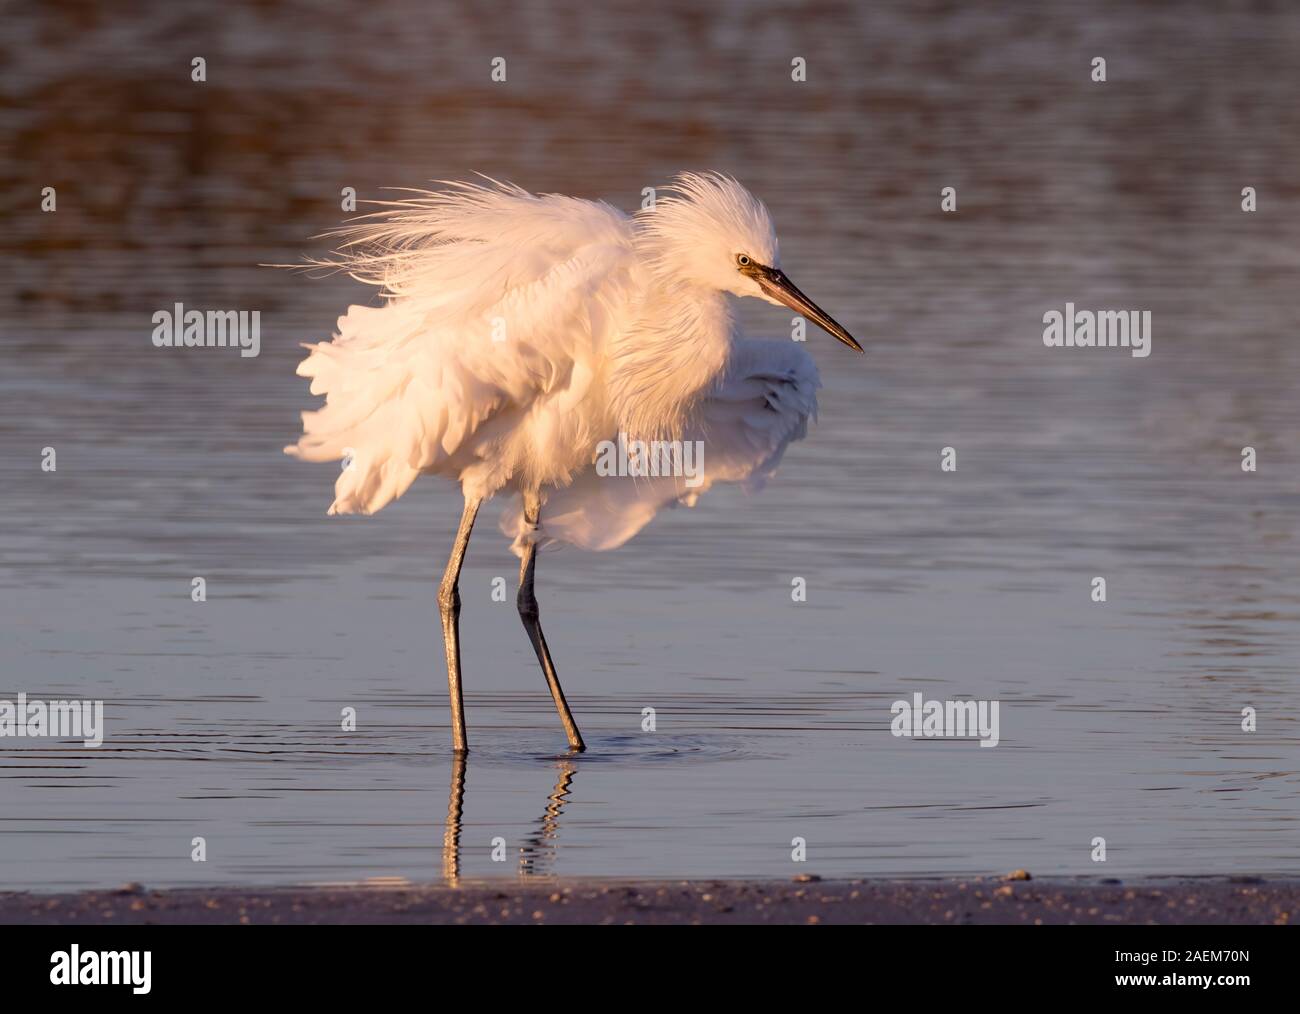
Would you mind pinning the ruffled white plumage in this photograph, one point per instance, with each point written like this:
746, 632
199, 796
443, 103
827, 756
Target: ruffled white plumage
762, 405
518, 331
497, 306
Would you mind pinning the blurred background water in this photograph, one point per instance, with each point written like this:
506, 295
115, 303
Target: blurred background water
1119, 720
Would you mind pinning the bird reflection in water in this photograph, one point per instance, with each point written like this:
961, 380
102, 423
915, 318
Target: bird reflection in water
455, 810
537, 853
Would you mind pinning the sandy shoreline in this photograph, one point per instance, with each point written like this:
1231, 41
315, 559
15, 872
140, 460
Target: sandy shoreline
961, 902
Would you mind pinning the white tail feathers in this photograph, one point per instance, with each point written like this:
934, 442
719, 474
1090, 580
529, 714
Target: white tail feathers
490, 293
364, 396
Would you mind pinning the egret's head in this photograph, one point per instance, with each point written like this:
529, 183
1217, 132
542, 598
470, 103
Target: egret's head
711, 232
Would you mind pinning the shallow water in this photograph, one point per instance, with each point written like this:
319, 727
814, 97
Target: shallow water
1119, 720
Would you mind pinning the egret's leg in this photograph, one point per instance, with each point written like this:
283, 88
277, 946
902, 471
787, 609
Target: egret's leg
529, 613
449, 606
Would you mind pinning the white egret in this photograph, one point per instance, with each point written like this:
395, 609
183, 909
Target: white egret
521, 333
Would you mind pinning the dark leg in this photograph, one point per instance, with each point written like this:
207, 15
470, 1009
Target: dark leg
528, 612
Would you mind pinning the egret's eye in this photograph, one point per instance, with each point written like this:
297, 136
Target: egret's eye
743, 260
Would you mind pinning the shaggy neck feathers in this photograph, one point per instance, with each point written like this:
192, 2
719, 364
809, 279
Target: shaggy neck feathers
669, 359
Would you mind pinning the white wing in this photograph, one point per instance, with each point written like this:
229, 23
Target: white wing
762, 404
495, 299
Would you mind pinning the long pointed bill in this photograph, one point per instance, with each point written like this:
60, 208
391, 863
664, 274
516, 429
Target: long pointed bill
774, 282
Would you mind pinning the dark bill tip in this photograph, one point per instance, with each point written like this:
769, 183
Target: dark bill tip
774, 282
